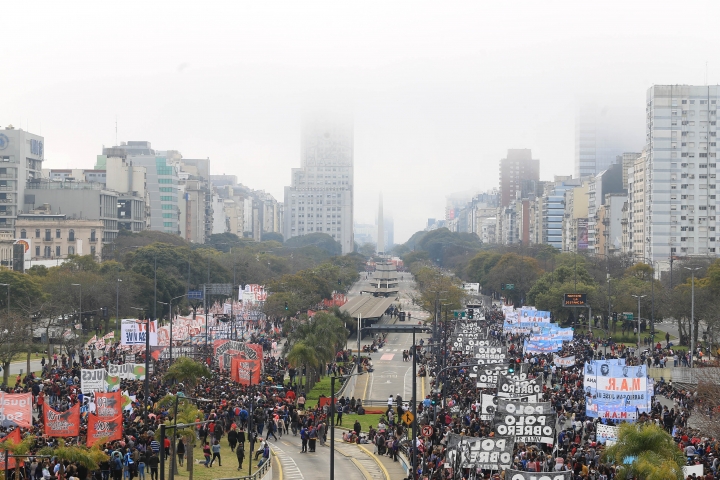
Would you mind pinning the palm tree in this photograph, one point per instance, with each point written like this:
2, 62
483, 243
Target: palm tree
18, 448
89, 458
653, 452
186, 370
303, 354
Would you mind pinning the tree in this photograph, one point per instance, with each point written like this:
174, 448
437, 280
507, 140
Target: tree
187, 371
435, 287
655, 454
89, 458
321, 240
302, 354
518, 270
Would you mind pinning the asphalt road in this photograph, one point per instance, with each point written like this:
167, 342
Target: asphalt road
350, 461
391, 375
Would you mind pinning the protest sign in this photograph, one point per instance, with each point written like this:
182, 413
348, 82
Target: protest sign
515, 407
538, 428
509, 388
62, 424
518, 475
564, 361
16, 409
93, 380
606, 432
133, 332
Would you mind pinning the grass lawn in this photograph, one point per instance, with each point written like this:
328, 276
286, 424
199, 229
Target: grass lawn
229, 464
365, 421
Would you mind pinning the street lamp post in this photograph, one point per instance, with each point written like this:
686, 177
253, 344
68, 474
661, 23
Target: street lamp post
332, 421
80, 311
638, 320
170, 316
692, 314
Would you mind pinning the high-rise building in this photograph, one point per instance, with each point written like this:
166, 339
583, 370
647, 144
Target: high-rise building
519, 175
605, 182
595, 149
320, 195
627, 159
21, 157
161, 183
680, 215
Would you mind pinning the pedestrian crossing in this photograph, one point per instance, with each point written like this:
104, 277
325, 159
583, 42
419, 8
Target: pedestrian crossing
290, 470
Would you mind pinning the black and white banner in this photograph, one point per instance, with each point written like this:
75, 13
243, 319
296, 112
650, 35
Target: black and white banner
491, 354
488, 407
518, 475
527, 428
515, 407
492, 453
508, 388
487, 375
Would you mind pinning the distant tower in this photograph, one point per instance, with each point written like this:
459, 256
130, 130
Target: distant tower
381, 229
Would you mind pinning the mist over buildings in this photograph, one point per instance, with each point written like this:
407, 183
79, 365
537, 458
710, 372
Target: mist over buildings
438, 93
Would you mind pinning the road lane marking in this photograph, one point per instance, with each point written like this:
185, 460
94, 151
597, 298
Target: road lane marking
387, 356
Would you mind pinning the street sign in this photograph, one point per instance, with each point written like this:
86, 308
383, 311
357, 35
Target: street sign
408, 418
508, 286
195, 295
427, 431
575, 299
218, 288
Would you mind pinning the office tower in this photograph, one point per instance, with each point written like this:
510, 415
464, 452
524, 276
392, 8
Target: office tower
161, 182
320, 196
595, 150
380, 228
680, 194
21, 157
519, 175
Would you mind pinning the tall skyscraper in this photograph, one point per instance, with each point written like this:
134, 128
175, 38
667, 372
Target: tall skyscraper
680, 176
519, 173
380, 228
594, 148
320, 195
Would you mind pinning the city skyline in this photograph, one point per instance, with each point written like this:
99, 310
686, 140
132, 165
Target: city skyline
434, 108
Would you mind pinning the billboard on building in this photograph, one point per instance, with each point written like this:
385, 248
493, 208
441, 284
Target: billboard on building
582, 234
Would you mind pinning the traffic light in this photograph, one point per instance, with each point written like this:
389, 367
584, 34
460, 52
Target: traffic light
286, 306
511, 369
614, 316
339, 282
502, 286
471, 313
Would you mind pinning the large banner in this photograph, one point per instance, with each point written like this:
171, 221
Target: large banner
242, 370
606, 432
518, 475
612, 383
16, 409
533, 316
16, 437
107, 405
92, 381
542, 346
127, 371
508, 387
487, 375
491, 354
491, 453
62, 424
163, 353
103, 430
488, 407
515, 407
534, 428
226, 350
563, 362
133, 332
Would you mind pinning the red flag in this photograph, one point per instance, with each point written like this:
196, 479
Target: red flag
65, 424
108, 405
103, 429
15, 437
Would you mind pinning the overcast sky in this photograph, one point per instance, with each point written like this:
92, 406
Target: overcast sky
439, 90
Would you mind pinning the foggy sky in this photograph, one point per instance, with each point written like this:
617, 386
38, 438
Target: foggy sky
439, 90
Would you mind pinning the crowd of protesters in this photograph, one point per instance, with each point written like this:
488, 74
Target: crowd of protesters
576, 447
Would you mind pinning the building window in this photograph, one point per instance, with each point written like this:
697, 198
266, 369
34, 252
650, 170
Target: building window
37, 233
57, 251
48, 237
57, 233
23, 233
92, 235
47, 252
92, 250
71, 235
37, 251
71, 250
